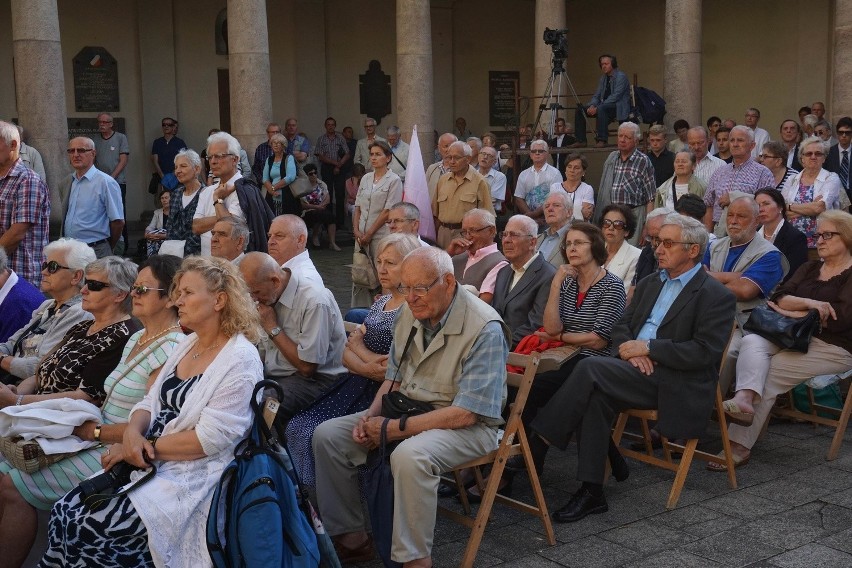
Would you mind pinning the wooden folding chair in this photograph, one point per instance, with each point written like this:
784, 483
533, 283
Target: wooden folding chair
513, 443
688, 449
839, 423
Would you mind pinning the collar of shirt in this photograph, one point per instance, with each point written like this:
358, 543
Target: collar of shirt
520, 271
16, 170
745, 164
560, 232
430, 331
481, 253
288, 296
683, 278
88, 175
7, 287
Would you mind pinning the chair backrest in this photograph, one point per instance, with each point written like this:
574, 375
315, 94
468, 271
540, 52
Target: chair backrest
522, 382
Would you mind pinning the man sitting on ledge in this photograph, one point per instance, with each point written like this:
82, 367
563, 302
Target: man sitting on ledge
669, 344
456, 361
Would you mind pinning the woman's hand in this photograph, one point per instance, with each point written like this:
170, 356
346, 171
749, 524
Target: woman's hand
114, 454
377, 369
563, 272
135, 448
787, 313
825, 310
86, 430
7, 396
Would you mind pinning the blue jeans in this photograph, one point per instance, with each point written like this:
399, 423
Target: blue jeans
605, 115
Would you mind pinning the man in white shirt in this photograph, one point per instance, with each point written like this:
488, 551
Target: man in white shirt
534, 183
287, 242
761, 136
223, 151
496, 179
399, 149
705, 164
362, 149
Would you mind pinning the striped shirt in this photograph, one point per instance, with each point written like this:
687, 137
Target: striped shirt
602, 307
705, 168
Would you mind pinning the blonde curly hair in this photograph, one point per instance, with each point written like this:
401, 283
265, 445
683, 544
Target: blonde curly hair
240, 314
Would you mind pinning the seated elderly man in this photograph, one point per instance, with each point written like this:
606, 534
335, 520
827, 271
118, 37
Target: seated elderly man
303, 349
668, 346
476, 259
522, 287
229, 239
647, 263
747, 265
558, 212
18, 299
288, 241
456, 362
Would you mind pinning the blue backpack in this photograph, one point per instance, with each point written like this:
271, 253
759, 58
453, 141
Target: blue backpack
650, 107
257, 518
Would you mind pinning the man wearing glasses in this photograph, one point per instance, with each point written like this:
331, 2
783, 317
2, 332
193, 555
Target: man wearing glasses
165, 148
459, 190
840, 154
362, 148
91, 204
476, 260
495, 178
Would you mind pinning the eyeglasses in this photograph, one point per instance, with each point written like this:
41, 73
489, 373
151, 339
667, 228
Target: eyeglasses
95, 285
813, 154
419, 291
511, 235
467, 233
79, 150
169, 124
568, 245
668, 243
219, 156
606, 223
394, 222
52, 267
141, 289
844, 132
825, 235
538, 151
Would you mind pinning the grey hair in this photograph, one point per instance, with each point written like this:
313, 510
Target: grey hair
528, 223
90, 144
402, 242
752, 109
814, 139
465, 148
658, 212
78, 255
448, 135
637, 132
702, 129
232, 143
688, 153
475, 140
691, 231
484, 216
745, 129
755, 209
393, 131
811, 119
825, 123
9, 132
239, 228
4, 260
563, 197
191, 155
121, 274
294, 224
409, 209
539, 143
777, 148
433, 257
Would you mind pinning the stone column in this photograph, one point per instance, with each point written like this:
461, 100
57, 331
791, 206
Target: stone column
414, 96
841, 94
250, 84
548, 14
40, 88
682, 77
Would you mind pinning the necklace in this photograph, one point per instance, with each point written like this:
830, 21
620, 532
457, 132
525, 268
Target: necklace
162, 333
200, 353
590, 283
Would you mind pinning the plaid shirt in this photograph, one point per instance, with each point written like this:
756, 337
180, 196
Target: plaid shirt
332, 148
747, 178
24, 198
633, 183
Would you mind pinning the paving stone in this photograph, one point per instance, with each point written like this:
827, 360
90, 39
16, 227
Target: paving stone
510, 542
590, 552
648, 536
744, 505
813, 555
731, 548
803, 486
797, 527
672, 559
840, 540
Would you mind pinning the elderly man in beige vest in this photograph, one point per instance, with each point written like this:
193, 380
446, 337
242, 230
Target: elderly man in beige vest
450, 350
747, 265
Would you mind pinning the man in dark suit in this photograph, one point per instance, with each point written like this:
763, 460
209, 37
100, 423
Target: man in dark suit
840, 155
563, 139
669, 345
791, 136
522, 287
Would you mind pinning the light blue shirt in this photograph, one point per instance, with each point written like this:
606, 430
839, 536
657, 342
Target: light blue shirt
95, 201
552, 240
671, 289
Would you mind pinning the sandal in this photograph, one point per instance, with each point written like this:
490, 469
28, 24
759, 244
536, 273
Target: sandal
720, 467
736, 415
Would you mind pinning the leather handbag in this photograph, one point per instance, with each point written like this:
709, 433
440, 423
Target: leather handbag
363, 271
397, 405
378, 493
301, 186
783, 331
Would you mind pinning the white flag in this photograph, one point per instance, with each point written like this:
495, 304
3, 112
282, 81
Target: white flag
416, 189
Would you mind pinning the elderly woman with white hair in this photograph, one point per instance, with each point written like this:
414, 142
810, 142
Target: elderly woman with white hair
534, 183
813, 190
184, 201
62, 278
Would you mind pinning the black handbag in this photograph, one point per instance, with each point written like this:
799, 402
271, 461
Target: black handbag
397, 405
378, 492
783, 331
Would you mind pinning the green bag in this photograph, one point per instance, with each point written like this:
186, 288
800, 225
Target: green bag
828, 396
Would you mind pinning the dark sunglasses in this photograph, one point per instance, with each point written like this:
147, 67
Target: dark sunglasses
95, 285
52, 267
610, 223
141, 290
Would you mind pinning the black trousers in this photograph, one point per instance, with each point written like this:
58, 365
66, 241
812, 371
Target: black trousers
337, 186
587, 403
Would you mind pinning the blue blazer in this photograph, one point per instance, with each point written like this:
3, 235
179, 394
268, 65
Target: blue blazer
620, 95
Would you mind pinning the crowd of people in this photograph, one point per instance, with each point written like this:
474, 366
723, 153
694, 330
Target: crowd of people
646, 275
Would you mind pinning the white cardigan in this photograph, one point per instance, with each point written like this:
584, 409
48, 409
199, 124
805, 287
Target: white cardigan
175, 503
623, 264
827, 185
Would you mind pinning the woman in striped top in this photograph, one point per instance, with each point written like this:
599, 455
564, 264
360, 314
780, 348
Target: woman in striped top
145, 352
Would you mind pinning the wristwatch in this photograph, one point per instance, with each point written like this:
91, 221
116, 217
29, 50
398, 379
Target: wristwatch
274, 332
96, 434
219, 201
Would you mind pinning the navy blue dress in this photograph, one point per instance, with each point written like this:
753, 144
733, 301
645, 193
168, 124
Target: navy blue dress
350, 394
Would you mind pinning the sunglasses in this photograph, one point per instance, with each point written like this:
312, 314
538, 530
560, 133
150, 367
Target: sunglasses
95, 285
141, 289
610, 223
79, 150
52, 267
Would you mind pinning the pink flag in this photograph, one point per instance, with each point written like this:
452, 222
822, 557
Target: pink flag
416, 190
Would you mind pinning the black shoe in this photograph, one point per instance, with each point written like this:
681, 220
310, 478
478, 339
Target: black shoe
581, 504
505, 491
619, 467
447, 490
538, 449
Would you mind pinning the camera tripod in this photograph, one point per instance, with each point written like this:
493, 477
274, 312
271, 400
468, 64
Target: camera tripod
550, 100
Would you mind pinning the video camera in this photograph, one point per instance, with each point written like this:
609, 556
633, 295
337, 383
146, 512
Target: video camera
558, 42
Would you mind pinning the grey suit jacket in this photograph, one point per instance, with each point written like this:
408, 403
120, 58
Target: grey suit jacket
687, 351
522, 307
555, 257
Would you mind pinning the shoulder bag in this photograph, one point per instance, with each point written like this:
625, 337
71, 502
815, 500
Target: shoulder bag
783, 331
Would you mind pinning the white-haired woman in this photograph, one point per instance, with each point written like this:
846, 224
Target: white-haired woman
279, 171
184, 201
811, 191
62, 278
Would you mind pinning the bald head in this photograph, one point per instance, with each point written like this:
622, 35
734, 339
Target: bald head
264, 277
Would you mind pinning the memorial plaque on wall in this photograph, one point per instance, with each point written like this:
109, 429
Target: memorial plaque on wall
95, 80
88, 127
502, 92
